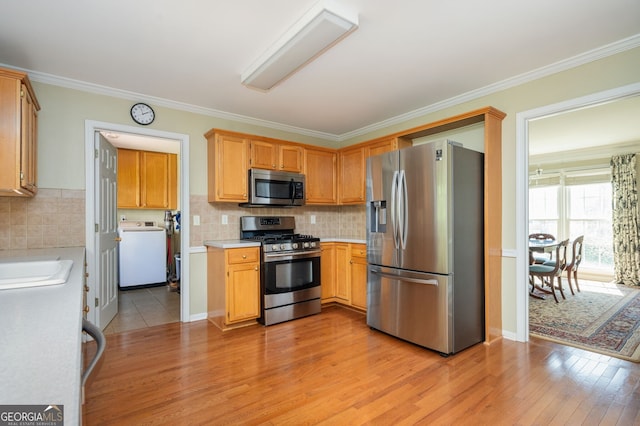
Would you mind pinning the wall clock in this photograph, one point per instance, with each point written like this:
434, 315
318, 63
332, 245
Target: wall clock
142, 114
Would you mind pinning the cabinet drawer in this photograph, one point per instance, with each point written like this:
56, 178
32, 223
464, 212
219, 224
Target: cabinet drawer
359, 250
243, 255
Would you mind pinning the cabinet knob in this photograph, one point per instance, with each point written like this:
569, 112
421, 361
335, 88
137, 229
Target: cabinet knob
86, 288
244, 256
351, 262
255, 269
86, 309
117, 239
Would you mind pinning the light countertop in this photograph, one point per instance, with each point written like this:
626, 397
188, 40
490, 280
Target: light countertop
225, 244
343, 240
41, 338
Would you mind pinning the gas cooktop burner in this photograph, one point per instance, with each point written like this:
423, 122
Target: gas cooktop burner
276, 234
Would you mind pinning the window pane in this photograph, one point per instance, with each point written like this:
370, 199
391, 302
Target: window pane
543, 210
590, 215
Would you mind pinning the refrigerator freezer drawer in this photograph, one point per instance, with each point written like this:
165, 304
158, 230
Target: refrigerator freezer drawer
413, 306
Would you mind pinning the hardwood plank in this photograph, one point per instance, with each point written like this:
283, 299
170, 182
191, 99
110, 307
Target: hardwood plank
332, 369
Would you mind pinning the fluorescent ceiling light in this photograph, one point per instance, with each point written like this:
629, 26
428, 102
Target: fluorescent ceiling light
321, 27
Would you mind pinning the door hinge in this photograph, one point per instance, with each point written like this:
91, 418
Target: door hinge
22, 93
96, 226
97, 302
95, 154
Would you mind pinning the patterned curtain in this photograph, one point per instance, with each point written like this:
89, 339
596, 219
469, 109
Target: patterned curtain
626, 235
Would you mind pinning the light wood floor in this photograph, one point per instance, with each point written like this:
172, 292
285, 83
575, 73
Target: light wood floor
332, 369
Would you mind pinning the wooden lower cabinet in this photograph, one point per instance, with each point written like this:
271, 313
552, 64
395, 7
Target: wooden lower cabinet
233, 286
358, 267
344, 274
328, 271
343, 286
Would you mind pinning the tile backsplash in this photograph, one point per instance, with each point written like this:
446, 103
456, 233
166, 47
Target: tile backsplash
56, 218
53, 218
330, 221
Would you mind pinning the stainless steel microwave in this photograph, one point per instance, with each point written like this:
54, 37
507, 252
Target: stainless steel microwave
275, 188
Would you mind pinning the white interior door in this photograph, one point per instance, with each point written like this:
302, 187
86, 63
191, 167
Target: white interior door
106, 213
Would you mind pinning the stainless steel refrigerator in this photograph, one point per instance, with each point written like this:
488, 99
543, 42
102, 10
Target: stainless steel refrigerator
425, 245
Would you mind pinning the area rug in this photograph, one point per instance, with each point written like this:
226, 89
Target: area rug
603, 318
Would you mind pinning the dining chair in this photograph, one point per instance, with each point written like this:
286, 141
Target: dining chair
541, 237
548, 274
576, 258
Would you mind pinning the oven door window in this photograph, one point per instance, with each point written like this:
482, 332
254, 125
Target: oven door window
291, 275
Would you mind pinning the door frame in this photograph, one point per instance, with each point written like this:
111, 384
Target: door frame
522, 187
92, 126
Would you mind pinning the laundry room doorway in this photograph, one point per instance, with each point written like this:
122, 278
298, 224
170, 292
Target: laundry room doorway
136, 302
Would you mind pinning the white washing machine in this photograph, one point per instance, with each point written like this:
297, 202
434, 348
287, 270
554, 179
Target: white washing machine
142, 253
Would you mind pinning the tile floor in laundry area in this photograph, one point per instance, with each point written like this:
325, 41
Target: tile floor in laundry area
145, 307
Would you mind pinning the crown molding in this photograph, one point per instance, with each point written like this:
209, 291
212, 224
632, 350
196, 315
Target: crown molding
566, 64
590, 56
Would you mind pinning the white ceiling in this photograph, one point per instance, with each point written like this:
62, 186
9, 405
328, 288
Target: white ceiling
406, 57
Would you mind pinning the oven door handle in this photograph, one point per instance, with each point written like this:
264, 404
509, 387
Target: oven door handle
288, 256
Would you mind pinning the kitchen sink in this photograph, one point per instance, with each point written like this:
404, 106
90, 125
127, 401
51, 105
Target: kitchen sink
29, 272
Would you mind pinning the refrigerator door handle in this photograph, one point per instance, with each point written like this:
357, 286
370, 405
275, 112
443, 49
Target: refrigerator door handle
403, 209
407, 279
394, 207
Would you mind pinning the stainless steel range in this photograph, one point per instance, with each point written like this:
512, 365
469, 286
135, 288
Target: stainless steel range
290, 268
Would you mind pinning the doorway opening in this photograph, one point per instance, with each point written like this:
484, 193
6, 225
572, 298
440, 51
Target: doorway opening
163, 141
523, 121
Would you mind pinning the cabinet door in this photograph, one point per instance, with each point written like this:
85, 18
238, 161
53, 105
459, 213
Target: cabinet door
128, 178
228, 166
328, 270
243, 287
321, 183
358, 266
28, 164
386, 145
352, 176
158, 180
290, 158
264, 155
343, 286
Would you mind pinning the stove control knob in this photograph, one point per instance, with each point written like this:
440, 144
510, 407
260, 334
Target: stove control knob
274, 247
294, 246
313, 244
283, 247
306, 245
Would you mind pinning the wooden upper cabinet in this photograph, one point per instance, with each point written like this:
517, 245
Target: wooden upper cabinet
18, 134
352, 175
128, 179
147, 180
264, 155
353, 167
158, 182
320, 167
290, 158
228, 163
276, 156
380, 146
